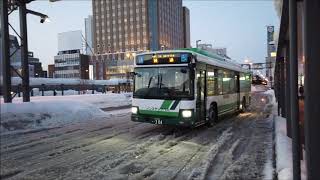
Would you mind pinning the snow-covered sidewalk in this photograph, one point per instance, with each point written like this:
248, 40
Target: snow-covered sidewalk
284, 151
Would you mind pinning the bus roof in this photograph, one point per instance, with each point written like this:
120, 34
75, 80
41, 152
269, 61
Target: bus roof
206, 57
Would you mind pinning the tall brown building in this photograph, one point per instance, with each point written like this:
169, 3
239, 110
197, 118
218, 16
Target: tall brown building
137, 25
124, 27
186, 27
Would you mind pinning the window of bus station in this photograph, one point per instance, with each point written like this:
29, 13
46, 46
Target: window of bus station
220, 82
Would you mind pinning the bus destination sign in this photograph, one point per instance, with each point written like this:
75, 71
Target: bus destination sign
172, 58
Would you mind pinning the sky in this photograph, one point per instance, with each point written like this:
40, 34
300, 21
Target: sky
238, 25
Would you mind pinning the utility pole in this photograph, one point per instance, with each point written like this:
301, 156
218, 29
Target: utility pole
24, 52
5, 56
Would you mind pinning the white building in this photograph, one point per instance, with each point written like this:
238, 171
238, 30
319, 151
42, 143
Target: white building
70, 62
71, 40
89, 34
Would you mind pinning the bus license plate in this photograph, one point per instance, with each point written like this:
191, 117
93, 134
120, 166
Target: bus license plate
158, 121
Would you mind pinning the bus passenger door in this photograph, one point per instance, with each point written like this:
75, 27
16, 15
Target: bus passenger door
201, 93
237, 83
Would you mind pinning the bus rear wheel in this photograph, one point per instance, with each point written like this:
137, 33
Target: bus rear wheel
213, 116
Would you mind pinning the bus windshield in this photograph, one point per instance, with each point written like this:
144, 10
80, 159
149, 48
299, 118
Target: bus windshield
162, 83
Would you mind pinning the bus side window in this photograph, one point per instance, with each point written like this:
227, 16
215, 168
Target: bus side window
219, 82
210, 81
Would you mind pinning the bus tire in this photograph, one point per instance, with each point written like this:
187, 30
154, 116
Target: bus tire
213, 116
244, 105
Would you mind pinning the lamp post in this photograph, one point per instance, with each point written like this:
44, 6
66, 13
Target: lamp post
23, 11
197, 43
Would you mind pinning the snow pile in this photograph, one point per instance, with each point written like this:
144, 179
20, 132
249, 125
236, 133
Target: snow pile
54, 111
98, 100
284, 152
45, 114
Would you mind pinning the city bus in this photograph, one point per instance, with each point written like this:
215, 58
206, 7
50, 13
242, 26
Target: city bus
187, 87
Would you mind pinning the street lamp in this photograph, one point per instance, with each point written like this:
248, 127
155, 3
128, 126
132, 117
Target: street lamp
197, 43
44, 18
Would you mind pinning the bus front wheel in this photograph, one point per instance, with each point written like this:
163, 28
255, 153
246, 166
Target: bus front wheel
213, 116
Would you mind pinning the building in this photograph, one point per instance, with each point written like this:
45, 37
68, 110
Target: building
70, 40
70, 62
123, 28
51, 71
186, 27
38, 71
271, 56
88, 23
137, 25
35, 66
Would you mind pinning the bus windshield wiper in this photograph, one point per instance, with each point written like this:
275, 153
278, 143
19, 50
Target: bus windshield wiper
149, 83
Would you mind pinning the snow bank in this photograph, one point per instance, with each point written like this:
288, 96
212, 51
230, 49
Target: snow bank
45, 114
98, 100
55, 111
284, 152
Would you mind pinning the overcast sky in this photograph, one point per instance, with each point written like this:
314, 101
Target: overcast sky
238, 25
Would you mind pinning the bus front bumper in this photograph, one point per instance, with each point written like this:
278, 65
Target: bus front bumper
162, 120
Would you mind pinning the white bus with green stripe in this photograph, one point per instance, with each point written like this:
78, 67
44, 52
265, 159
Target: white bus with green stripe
187, 87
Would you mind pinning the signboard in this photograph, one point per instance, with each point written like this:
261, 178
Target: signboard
270, 33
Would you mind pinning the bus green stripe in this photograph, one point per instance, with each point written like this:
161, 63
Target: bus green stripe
159, 113
226, 107
166, 104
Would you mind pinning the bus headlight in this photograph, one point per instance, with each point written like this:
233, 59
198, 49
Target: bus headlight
186, 113
134, 110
